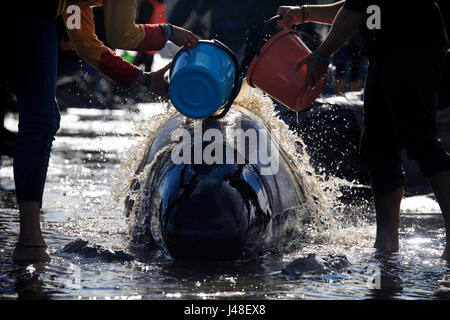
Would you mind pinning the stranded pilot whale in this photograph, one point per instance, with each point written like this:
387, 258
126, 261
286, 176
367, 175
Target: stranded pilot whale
215, 189
256, 198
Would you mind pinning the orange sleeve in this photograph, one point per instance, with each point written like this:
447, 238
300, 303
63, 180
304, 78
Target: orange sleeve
123, 33
94, 52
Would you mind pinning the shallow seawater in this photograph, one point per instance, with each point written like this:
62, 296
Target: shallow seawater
81, 202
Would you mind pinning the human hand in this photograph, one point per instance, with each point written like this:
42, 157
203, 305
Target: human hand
316, 68
292, 15
158, 84
183, 38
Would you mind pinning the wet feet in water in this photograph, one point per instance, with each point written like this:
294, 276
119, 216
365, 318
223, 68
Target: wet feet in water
387, 242
26, 254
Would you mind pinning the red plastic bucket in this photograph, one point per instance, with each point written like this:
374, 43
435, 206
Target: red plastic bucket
272, 71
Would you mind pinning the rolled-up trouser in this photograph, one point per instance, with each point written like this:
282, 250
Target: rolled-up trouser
34, 46
400, 113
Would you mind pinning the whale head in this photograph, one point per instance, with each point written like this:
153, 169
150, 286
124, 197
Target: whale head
210, 212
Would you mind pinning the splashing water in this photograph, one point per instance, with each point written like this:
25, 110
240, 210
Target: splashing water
331, 221
79, 204
329, 217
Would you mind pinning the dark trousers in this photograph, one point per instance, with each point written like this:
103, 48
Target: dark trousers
400, 113
34, 47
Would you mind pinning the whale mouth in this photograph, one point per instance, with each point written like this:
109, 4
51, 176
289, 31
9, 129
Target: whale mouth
206, 248
213, 211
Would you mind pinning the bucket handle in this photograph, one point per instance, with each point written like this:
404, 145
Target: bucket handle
237, 81
261, 38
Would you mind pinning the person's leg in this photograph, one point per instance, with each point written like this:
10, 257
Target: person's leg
355, 58
381, 154
148, 62
31, 246
440, 183
355, 72
388, 219
35, 87
413, 102
340, 62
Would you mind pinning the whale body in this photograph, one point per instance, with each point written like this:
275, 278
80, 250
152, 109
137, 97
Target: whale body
222, 210
238, 209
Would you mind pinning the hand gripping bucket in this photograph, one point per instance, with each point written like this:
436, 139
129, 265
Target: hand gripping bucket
272, 70
205, 80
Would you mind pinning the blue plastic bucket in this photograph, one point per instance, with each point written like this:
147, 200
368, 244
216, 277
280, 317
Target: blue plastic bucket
204, 79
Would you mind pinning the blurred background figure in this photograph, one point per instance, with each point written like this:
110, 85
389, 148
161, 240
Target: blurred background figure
8, 104
238, 24
226, 22
349, 64
76, 78
179, 11
149, 11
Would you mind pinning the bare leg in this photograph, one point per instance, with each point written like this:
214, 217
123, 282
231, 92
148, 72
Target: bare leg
440, 183
388, 220
31, 246
356, 85
340, 86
